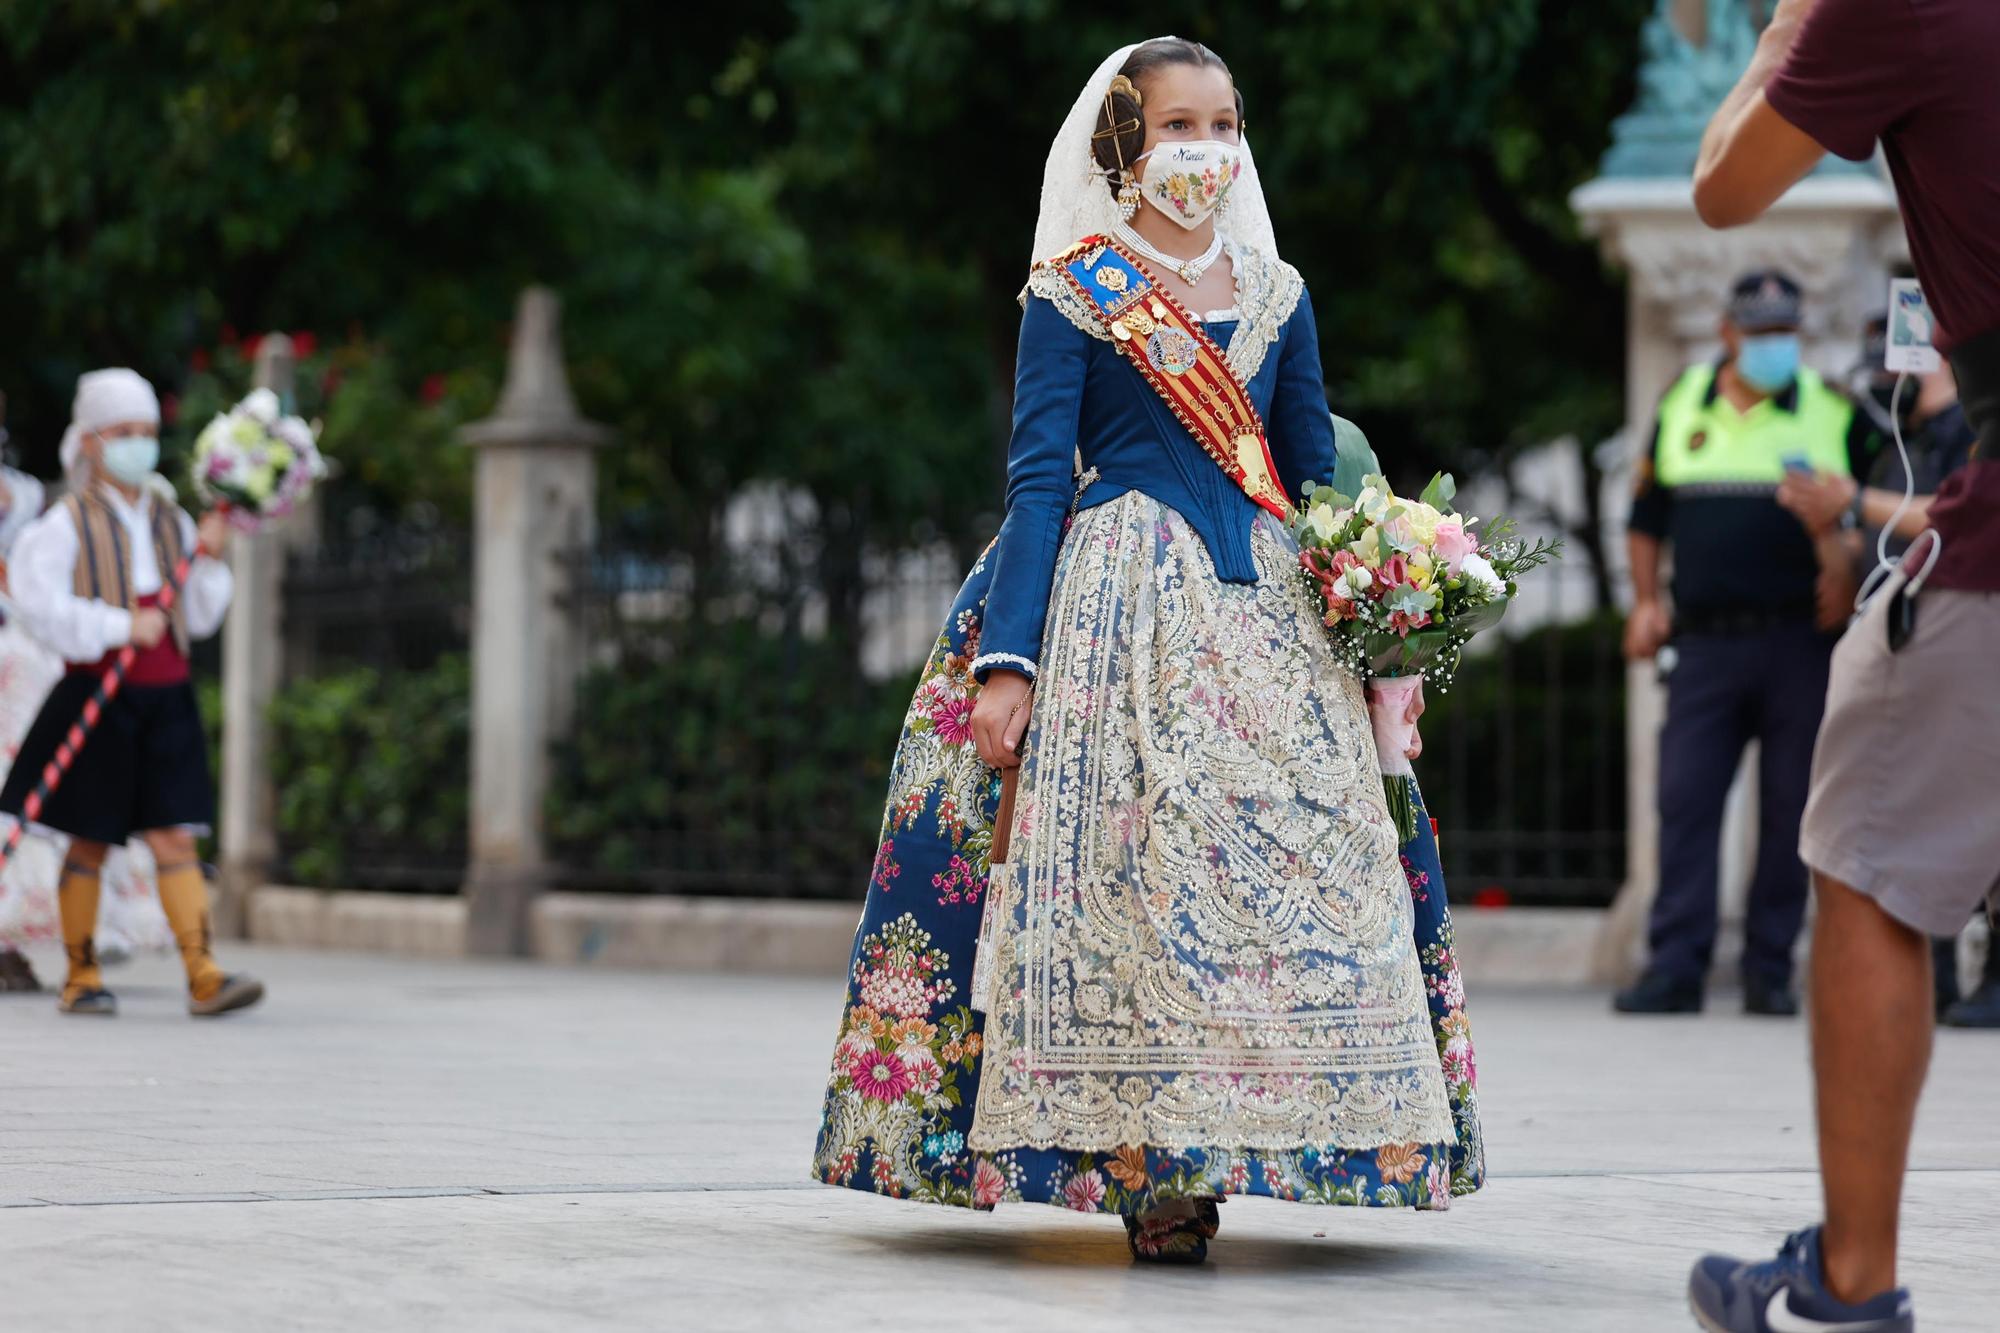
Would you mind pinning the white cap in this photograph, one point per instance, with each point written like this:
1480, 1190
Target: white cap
105, 398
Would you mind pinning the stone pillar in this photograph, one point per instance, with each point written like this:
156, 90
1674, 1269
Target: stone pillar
252, 667
535, 497
1834, 232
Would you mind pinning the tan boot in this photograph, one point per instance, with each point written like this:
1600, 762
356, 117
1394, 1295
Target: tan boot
76, 899
211, 991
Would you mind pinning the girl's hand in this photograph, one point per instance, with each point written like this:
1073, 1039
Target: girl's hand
1000, 718
213, 533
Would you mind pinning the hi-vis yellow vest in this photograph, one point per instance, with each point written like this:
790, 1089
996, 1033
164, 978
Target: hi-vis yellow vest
1705, 442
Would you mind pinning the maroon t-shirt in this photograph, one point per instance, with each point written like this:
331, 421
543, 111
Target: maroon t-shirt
1923, 76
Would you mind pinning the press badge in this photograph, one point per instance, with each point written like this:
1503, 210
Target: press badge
1909, 345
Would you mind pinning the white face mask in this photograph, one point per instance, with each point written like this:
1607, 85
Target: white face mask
131, 458
1189, 180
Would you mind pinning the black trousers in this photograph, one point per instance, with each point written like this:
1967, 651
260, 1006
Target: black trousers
145, 766
1724, 691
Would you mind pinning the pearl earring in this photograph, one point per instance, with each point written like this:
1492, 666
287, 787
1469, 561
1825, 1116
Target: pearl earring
1128, 197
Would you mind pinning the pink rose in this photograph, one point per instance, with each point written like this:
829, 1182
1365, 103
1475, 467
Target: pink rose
1453, 544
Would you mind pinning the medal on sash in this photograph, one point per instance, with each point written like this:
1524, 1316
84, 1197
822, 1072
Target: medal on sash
1174, 354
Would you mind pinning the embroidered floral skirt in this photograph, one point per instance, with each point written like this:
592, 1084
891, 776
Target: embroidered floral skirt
1206, 967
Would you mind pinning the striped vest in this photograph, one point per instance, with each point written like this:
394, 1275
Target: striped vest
104, 565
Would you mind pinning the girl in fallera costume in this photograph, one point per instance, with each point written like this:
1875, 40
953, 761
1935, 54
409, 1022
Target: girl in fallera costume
87, 577
1205, 966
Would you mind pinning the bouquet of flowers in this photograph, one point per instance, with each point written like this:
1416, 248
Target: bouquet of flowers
256, 461
1405, 584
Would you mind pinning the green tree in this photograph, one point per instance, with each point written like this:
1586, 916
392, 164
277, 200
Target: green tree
788, 236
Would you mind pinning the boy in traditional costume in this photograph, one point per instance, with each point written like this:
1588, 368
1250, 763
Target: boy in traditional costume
90, 577
1207, 966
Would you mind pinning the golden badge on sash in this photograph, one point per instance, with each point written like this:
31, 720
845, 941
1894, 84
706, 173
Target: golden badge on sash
1172, 350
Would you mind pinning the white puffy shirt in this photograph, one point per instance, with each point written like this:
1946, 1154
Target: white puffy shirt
41, 578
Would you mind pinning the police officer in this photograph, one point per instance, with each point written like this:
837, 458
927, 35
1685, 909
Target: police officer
1754, 596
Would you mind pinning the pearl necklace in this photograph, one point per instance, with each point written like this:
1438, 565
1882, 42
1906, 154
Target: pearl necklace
1189, 270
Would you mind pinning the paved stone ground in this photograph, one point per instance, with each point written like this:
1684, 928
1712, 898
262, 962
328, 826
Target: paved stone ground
390, 1144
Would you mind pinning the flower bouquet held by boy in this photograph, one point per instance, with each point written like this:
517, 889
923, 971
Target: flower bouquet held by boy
1405, 585
256, 463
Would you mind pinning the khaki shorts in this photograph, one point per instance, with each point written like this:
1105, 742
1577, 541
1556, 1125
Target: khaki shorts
1905, 803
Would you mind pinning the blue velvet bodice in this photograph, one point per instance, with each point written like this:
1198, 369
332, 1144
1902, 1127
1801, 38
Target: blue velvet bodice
1074, 394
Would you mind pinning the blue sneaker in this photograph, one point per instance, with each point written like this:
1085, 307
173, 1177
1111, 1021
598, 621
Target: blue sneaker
1788, 1295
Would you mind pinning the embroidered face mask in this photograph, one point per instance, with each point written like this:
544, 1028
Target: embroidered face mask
1189, 180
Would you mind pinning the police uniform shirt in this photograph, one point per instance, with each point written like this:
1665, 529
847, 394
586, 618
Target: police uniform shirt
1708, 485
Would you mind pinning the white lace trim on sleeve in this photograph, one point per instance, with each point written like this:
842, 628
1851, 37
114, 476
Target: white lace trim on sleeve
1013, 660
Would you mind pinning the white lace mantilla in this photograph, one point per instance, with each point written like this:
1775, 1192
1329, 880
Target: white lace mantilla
1203, 938
1267, 292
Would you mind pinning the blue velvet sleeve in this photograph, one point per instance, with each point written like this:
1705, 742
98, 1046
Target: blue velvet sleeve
1299, 425
1048, 395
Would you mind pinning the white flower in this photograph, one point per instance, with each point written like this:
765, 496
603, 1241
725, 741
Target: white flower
263, 405
1356, 581
1424, 520
1321, 520
1480, 572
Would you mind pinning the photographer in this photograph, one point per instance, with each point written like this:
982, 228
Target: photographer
1900, 830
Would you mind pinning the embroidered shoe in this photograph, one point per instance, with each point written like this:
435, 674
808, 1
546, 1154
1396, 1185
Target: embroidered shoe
1788, 1295
1173, 1235
236, 992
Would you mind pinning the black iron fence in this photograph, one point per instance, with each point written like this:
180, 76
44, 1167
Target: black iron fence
397, 598
734, 725
1524, 767
733, 728
371, 726
732, 738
